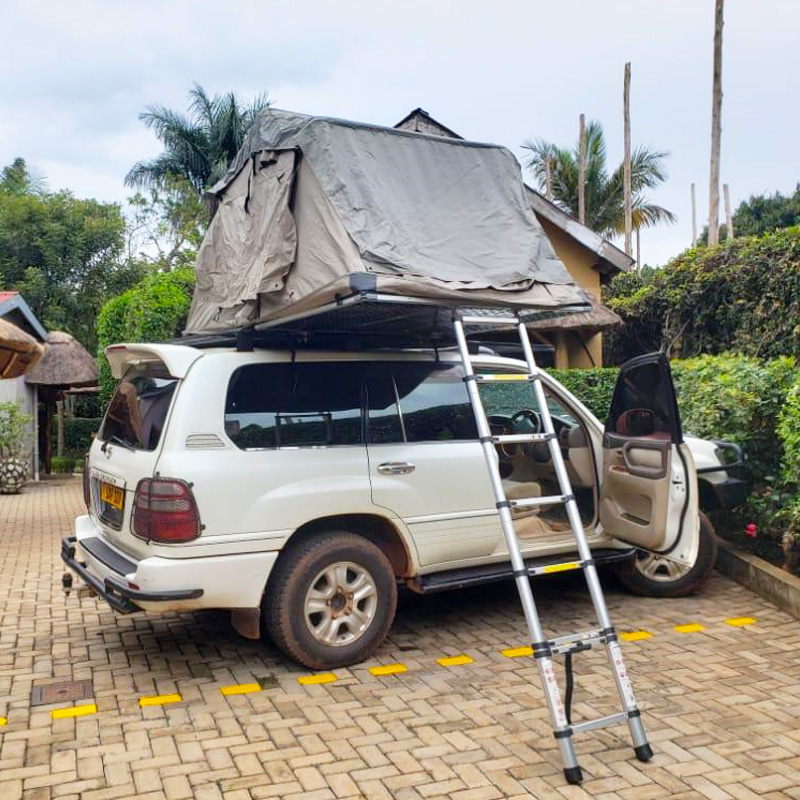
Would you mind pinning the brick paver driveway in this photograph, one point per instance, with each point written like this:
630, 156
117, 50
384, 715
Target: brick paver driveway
721, 704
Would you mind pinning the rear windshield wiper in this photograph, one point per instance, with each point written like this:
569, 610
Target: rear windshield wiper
116, 440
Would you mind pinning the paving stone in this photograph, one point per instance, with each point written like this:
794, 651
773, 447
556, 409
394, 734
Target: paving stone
720, 705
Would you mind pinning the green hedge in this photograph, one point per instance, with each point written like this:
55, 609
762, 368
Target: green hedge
65, 465
740, 296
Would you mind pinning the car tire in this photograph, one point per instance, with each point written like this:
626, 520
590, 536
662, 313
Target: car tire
330, 600
633, 574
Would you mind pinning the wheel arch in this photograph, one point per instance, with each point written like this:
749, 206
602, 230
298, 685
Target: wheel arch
377, 529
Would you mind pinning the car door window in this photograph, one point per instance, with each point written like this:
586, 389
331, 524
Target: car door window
419, 402
295, 405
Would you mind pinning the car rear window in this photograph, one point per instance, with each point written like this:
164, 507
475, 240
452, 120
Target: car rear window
295, 405
138, 409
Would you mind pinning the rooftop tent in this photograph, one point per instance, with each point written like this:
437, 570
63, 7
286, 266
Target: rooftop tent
313, 207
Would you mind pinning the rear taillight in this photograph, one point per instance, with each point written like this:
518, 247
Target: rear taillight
164, 511
87, 495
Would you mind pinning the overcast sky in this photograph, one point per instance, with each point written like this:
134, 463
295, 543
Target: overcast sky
75, 76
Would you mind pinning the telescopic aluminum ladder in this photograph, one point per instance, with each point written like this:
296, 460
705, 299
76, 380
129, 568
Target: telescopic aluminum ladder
545, 649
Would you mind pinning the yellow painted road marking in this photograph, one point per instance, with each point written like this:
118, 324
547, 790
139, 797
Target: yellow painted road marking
159, 700
454, 661
562, 567
3, 721
322, 677
76, 711
389, 669
516, 652
635, 636
241, 688
739, 622
692, 627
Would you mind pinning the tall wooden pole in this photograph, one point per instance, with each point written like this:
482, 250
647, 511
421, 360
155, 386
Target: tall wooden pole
694, 218
582, 170
728, 215
548, 177
626, 164
638, 248
716, 127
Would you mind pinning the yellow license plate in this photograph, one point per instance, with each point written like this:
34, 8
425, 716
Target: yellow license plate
112, 495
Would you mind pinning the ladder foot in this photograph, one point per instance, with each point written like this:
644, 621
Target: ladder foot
643, 752
573, 775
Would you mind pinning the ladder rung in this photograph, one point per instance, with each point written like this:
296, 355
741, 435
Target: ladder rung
601, 722
595, 635
534, 502
490, 320
512, 377
518, 438
551, 569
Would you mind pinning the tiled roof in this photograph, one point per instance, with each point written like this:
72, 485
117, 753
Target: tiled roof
7, 296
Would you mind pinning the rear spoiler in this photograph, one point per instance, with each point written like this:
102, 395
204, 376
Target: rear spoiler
175, 357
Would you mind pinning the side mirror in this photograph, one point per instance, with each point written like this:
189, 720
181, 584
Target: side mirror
636, 422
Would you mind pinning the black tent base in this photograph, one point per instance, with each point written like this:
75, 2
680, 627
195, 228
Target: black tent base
365, 321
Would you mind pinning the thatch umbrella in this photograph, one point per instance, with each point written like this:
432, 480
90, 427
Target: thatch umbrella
65, 365
19, 351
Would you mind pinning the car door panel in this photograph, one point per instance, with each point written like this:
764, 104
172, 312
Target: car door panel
426, 465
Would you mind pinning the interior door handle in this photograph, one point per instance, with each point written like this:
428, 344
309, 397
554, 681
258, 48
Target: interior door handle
396, 468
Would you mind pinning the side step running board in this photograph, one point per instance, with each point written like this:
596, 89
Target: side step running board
503, 571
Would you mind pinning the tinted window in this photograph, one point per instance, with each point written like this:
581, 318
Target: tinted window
138, 409
433, 404
644, 401
294, 405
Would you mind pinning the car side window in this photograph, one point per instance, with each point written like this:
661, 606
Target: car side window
295, 405
419, 402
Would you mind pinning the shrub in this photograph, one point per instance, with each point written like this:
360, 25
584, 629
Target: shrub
13, 429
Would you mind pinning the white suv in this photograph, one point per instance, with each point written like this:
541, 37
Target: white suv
299, 488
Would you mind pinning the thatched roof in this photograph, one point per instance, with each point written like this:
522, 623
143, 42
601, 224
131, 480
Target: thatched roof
600, 318
18, 351
65, 364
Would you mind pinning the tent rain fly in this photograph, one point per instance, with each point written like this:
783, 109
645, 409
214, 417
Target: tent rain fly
316, 209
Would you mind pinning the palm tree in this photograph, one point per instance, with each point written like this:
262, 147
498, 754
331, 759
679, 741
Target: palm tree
605, 199
199, 147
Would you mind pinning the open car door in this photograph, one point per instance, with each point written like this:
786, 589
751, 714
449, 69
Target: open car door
649, 491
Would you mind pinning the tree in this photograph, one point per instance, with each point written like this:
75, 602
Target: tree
198, 147
16, 179
605, 197
763, 213
166, 227
61, 252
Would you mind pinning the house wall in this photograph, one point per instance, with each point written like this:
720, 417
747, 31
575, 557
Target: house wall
572, 346
12, 389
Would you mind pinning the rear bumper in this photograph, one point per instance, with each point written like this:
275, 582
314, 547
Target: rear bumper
113, 590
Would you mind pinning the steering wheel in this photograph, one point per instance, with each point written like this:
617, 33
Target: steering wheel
524, 421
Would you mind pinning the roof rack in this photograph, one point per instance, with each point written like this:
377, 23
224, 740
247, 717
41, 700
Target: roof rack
367, 320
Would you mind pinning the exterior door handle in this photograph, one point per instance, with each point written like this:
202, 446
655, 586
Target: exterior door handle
396, 468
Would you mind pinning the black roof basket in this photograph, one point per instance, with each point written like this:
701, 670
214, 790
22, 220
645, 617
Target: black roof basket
364, 320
